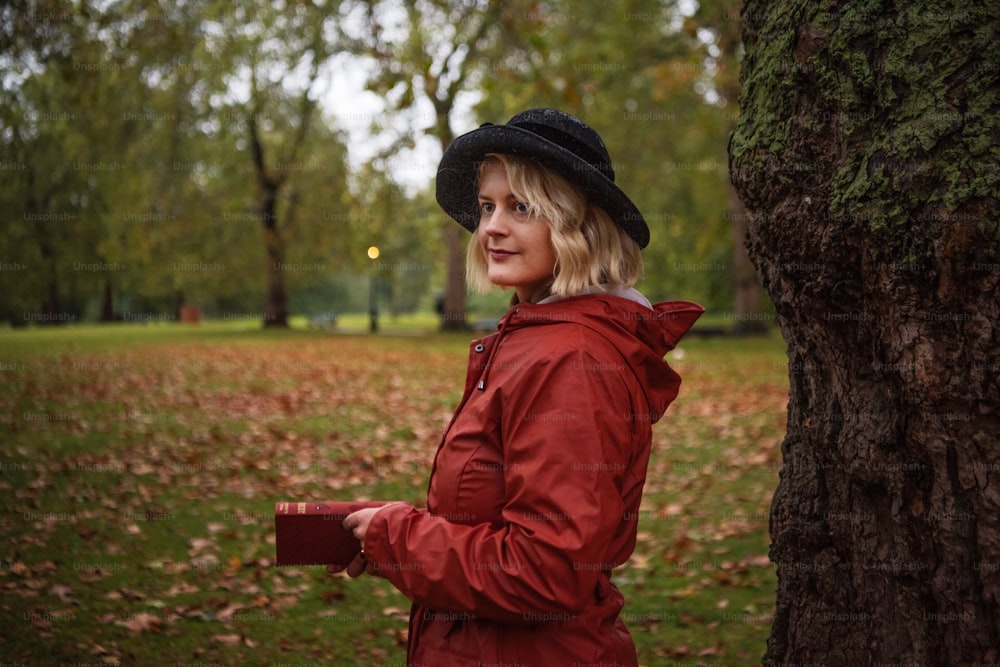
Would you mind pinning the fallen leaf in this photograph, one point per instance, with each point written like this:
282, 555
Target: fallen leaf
181, 588
143, 622
226, 614
227, 640
200, 544
131, 594
62, 592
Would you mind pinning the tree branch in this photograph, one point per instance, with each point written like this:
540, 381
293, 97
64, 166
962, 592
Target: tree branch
256, 144
475, 46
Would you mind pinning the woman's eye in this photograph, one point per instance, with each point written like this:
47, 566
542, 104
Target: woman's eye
521, 208
486, 207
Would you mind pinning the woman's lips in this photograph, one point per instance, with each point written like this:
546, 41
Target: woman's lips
500, 255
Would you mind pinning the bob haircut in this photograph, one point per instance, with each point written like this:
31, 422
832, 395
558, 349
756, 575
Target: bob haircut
592, 252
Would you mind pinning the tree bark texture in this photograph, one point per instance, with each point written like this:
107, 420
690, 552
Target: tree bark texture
867, 156
748, 303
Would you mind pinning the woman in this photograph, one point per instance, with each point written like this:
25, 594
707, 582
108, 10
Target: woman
534, 493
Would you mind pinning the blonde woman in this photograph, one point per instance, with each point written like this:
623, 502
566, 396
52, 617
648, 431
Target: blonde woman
534, 494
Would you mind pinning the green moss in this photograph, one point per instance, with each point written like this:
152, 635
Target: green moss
768, 124
912, 101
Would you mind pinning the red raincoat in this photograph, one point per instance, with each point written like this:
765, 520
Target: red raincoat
535, 490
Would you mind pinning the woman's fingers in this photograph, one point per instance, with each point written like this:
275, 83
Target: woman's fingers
357, 566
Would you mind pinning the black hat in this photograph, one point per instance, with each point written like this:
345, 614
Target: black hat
556, 140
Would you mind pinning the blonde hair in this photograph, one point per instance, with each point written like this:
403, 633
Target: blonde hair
591, 250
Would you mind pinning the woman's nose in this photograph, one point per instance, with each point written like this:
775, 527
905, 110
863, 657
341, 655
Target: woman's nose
496, 224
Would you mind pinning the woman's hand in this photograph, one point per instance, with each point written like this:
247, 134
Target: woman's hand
355, 568
357, 523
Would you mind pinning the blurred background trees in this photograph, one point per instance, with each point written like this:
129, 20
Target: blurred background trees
157, 155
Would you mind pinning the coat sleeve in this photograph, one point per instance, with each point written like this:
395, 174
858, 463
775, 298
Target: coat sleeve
567, 444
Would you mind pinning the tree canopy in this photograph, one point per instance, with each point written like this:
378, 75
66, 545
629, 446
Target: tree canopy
156, 156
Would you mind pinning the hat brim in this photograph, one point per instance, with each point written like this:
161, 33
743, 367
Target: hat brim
459, 170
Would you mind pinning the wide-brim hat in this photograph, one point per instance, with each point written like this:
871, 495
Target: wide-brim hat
554, 139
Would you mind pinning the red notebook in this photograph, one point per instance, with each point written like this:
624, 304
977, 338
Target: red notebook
313, 533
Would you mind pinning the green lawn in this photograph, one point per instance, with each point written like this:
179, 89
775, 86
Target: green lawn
140, 465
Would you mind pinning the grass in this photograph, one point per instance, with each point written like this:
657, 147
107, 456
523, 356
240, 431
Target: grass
140, 464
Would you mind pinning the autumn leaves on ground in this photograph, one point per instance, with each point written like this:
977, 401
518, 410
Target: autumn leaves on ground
139, 469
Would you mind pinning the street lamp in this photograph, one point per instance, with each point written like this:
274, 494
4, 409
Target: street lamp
372, 296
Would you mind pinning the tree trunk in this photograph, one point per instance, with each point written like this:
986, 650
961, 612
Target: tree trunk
748, 303
51, 303
276, 298
867, 154
107, 302
453, 306
455, 238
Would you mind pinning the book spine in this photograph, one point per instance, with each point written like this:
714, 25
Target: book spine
313, 509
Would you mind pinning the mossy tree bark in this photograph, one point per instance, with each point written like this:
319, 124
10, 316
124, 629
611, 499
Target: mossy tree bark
867, 155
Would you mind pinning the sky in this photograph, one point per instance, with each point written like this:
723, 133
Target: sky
353, 109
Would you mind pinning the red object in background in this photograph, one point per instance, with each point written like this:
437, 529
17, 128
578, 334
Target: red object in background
312, 533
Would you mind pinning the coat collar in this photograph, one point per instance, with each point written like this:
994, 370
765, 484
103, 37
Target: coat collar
659, 327
643, 335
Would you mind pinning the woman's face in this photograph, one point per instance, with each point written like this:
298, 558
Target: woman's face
518, 247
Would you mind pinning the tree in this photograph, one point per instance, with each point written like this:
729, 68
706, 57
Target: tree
150, 116
139, 141
867, 154
103, 129
429, 49
277, 52
80, 113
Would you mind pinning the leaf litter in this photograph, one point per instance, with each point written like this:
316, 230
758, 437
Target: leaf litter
135, 444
